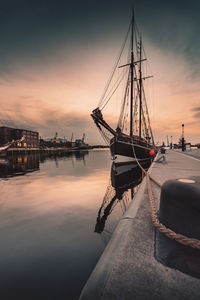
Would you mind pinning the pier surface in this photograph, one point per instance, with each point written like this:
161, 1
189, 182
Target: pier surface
129, 268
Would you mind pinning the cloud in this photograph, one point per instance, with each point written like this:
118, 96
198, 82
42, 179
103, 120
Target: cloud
33, 31
36, 114
197, 115
197, 110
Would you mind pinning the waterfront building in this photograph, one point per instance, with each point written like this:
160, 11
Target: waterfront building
31, 138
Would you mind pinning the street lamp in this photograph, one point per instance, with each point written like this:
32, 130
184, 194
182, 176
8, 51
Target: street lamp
183, 140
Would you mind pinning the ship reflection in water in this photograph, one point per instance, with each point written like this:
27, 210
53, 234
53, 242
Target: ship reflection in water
18, 165
125, 180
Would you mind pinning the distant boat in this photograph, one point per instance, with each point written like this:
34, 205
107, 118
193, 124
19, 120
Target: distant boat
81, 145
139, 140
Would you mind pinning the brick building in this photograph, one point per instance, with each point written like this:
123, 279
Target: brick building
31, 138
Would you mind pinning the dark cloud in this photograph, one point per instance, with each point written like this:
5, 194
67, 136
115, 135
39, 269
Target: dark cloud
197, 115
36, 30
196, 108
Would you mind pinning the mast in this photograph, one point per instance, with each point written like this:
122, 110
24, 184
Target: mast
140, 89
131, 66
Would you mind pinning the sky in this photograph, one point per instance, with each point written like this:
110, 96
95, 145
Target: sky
56, 57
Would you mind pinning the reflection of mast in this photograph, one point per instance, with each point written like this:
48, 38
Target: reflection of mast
84, 160
72, 160
56, 162
101, 220
132, 193
110, 200
80, 155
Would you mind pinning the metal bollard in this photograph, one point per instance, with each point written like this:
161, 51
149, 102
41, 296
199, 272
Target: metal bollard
180, 211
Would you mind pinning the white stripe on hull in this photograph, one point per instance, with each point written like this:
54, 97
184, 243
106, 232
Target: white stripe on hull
124, 159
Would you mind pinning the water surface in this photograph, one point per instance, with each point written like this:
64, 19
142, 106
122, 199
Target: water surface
56, 216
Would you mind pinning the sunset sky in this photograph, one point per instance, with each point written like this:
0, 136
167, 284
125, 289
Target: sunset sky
56, 56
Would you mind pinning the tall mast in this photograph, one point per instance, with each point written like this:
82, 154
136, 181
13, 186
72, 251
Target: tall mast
131, 66
140, 90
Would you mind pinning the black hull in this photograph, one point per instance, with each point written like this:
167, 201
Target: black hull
125, 147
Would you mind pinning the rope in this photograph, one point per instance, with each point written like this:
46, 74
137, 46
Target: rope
180, 238
114, 68
114, 90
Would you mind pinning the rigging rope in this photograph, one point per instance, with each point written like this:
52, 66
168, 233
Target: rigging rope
114, 68
126, 94
119, 81
115, 84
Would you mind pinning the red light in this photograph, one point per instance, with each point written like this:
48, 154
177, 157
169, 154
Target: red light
151, 153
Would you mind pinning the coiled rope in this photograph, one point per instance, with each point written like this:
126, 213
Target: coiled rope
180, 238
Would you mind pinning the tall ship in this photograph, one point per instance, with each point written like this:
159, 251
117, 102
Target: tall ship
133, 134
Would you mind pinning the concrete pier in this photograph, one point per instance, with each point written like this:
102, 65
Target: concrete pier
130, 267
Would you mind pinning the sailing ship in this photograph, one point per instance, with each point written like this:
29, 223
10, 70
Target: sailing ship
138, 139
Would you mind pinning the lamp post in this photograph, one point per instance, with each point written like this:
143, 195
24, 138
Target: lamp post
183, 140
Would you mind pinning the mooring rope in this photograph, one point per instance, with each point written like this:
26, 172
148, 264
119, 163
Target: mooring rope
180, 238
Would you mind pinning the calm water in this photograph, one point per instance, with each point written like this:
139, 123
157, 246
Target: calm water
56, 216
